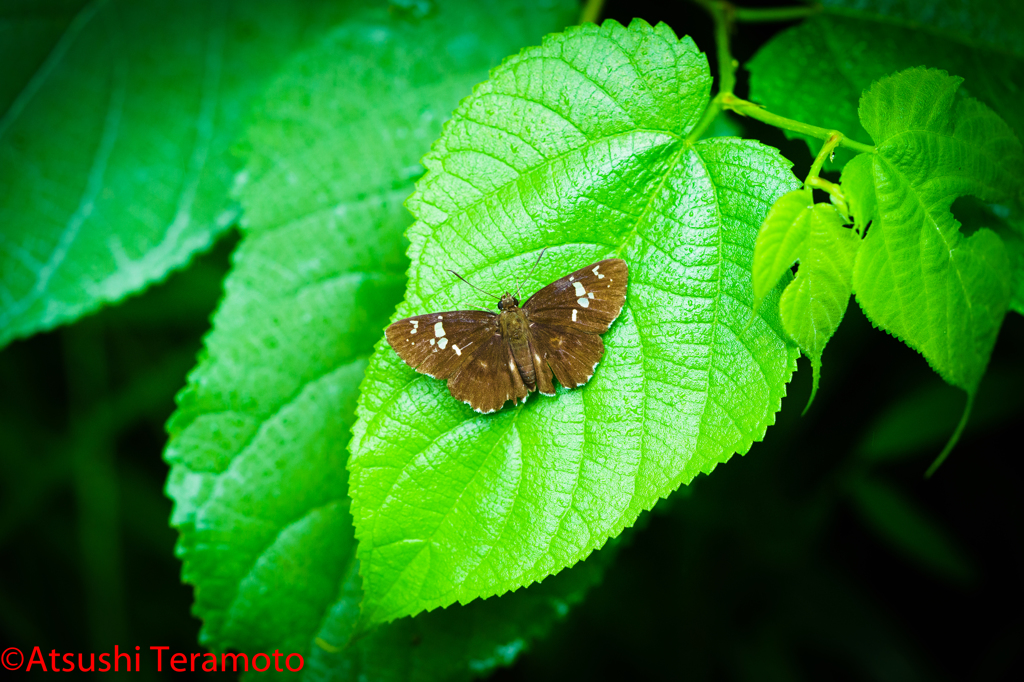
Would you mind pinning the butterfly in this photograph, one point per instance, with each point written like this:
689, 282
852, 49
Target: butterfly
489, 359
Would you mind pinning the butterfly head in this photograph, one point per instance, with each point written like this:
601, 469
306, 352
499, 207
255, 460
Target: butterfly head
508, 302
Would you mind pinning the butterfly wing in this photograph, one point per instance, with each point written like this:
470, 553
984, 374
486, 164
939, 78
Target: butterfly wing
566, 318
572, 357
489, 378
439, 344
466, 348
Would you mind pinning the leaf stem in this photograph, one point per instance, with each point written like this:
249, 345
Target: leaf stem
835, 192
827, 149
591, 11
722, 14
745, 108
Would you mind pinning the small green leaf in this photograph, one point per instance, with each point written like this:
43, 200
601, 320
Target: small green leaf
858, 187
780, 241
100, 203
916, 275
578, 146
813, 304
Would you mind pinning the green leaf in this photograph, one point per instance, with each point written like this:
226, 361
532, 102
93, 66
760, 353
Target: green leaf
900, 523
99, 204
816, 71
780, 241
578, 146
813, 304
258, 443
916, 275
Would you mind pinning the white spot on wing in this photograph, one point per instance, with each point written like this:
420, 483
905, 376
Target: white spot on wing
583, 301
574, 311
439, 329
431, 342
590, 294
580, 291
458, 351
599, 275
415, 326
442, 343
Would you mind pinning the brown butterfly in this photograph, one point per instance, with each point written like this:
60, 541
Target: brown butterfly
489, 359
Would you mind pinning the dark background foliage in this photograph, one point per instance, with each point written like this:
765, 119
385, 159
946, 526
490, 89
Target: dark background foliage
821, 554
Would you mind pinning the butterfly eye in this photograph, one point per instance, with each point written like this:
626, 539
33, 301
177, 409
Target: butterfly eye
500, 306
515, 301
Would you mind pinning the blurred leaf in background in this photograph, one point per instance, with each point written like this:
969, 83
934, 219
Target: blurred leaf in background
114, 143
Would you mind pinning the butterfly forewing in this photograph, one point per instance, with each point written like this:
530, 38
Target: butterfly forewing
586, 301
440, 343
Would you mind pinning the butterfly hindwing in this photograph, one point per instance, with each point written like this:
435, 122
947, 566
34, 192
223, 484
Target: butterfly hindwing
586, 301
489, 378
571, 357
439, 344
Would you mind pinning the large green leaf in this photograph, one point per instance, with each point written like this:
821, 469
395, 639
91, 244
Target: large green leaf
578, 146
916, 275
114, 156
258, 444
815, 72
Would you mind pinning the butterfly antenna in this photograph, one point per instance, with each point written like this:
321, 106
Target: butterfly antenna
519, 285
535, 264
475, 287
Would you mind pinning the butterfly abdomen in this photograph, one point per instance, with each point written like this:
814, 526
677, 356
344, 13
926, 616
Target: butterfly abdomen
516, 332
